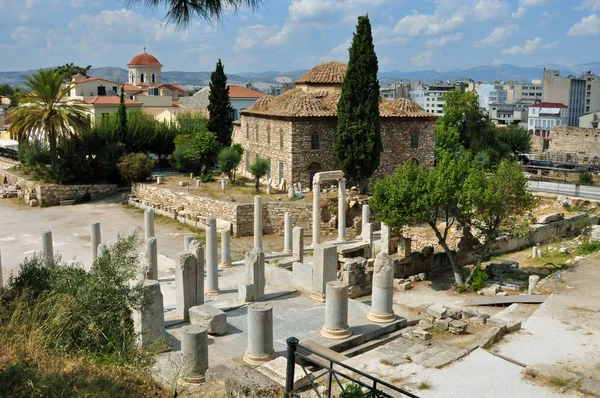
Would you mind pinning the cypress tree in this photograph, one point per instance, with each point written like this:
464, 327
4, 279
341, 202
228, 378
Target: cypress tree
357, 145
122, 112
219, 106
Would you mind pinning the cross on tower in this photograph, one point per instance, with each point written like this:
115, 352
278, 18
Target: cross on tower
144, 48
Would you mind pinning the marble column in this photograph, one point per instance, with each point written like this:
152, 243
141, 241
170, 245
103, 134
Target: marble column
367, 236
260, 334
194, 352
366, 217
385, 238
212, 269
1, 277
149, 222
47, 249
404, 249
225, 248
185, 283
533, 281
149, 322
258, 229
198, 251
254, 262
316, 216
96, 240
324, 270
287, 233
298, 244
187, 239
342, 210
336, 312
382, 296
152, 258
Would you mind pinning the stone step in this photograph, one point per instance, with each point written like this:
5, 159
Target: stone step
319, 349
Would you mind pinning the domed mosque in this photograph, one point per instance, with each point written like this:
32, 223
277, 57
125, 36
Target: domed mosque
295, 130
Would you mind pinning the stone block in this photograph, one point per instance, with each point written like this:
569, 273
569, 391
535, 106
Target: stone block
590, 387
442, 324
489, 337
548, 218
513, 326
454, 313
184, 183
457, 327
490, 290
422, 334
405, 286
425, 325
413, 278
480, 319
437, 310
427, 317
245, 292
495, 322
210, 317
422, 276
302, 276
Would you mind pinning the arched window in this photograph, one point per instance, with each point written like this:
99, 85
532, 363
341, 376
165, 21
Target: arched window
415, 161
268, 135
256, 131
153, 78
132, 78
247, 131
414, 139
315, 140
281, 139
141, 77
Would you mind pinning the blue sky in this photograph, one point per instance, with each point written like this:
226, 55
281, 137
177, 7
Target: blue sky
287, 35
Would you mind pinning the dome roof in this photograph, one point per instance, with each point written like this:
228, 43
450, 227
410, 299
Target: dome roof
144, 59
332, 72
401, 107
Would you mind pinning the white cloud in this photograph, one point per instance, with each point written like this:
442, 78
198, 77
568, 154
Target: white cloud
520, 13
497, 37
443, 40
252, 36
532, 3
530, 47
588, 26
342, 48
24, 34
423, 24
593, 5
497, 62
488, 9
422, 59
85, 3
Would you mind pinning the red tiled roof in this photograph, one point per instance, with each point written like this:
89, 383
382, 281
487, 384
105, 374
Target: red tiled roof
170, 86
144, 59
243, 92
332, 72
175, 102
549, 105
109, 100
131, 87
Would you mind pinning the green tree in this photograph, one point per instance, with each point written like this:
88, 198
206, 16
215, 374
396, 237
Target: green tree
357, 145
229, 159
70, 70
135, 167
122, 112
193, 152
416, 195
586, 178
517, 139
219, 106
44, 108
11, 92
259, 170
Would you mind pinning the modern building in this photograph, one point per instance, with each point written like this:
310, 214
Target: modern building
434, 96
589, 121
417, 96
531, 92
509, 114
240, 97
543, 117
398, 90
280, 88
490, 93
572, 91
295, 130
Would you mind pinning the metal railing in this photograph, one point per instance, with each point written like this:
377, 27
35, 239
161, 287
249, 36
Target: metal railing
297, 351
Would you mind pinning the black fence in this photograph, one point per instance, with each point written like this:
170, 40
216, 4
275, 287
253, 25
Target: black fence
335, 370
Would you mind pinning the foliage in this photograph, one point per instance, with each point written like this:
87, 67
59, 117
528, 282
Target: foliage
219, 106
239, 148
183, 12
357, 145
122, 115
517, 139
351, 391
586, 178
206, 176
229, 159
588, 248
163, 140
11, 92
34, 156
70, 70
258, 169
193, 152
135, 167
479, 278
44, 110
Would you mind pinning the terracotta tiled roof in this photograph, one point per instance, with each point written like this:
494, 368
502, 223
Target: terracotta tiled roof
91, 79
332, 72
549, 105
243, 92
131, 87
323, 103
109, 100
175, 102
144, 59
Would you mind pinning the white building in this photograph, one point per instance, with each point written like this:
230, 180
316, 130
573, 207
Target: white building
240, 97
418, 96
544, 116
434, 96
531, 92
490, 93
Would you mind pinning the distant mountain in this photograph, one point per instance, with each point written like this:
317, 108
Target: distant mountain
262, 80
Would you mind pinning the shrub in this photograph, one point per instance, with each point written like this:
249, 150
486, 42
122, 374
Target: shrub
34, 156
259, 169
588, 248
479, 278
207, 176
586, 178
352, 391
229, 159
193, 152
135, 167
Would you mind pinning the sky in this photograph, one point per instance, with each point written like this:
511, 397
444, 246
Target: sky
287, 35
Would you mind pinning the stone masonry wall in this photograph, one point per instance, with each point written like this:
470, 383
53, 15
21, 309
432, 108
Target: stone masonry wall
53, 194
567, 139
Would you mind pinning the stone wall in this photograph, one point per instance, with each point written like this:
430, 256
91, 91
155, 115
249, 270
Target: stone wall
52, 194
565, 139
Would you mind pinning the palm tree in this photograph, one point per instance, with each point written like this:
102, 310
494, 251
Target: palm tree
44, 110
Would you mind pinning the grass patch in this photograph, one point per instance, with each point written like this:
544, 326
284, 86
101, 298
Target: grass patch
397, 380
559, 381
424, 385
588, 248
159, 219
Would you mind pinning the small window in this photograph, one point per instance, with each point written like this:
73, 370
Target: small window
315, 140
268, 135
256, 131
280, 171
247, 160
247, 131
141, 77
281, 139
269, 168
153, 78
414, 139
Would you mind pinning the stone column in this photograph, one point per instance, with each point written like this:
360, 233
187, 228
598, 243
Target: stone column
385, 238
316, 216
366, 217
382, 297
258, 230
198, 251
342, 210
187, 239
324, 270
96, 240
534, 252
260, 334
149, 322
367, 236
194, 352
287, 233
254, 262
298, 244
336, 312
186, 276
404, 248
533, 281
212, 270
225, 248
1, 277
149, 222
47, 249
152, 258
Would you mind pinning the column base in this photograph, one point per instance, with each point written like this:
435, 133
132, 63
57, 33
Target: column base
341, 239
317, 296
381, 318
287, 251
212, 292
225, 265
336, 334
257, 361
194, 379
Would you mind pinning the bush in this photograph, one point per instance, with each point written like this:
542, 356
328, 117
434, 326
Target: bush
479, 278
194, 152
34, 156
135, 167
586, 178
207, 176
352, 391
229, 159
588, 248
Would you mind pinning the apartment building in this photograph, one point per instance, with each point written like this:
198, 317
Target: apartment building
544, 116
531, 92
434, 96
398, 90
581, 94
509, 114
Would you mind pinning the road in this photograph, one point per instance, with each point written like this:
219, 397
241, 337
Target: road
580, 191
